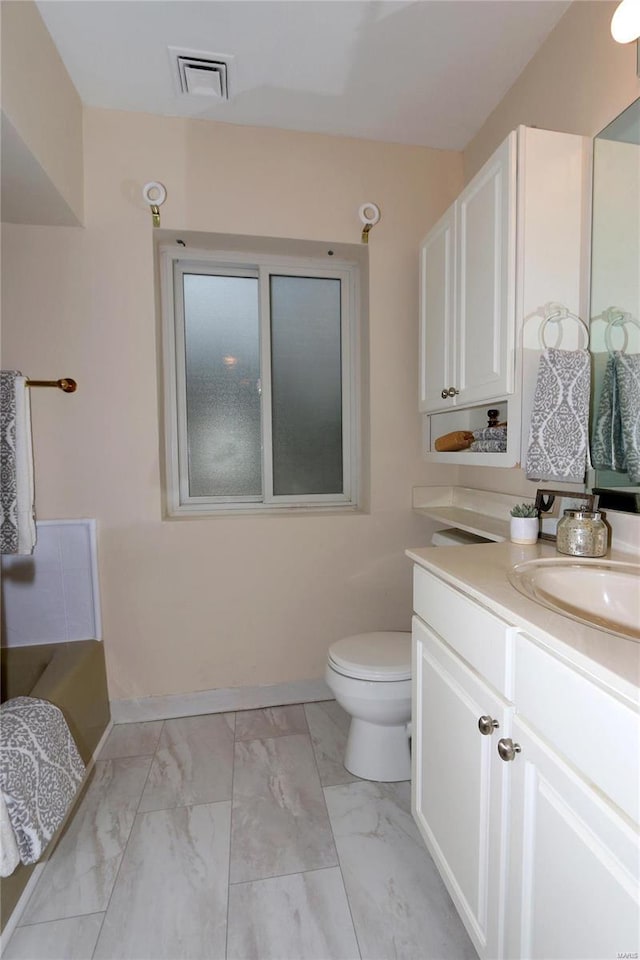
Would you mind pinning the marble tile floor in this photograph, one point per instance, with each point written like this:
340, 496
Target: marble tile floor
239, 836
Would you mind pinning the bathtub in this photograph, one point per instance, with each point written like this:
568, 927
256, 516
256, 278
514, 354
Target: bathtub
73, 677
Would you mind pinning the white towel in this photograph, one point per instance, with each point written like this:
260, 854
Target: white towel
40, 771
17, 520
9, 856
560, 417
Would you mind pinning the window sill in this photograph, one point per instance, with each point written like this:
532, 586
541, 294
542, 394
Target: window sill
332, 510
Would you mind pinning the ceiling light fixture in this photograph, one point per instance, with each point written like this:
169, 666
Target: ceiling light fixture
625, 23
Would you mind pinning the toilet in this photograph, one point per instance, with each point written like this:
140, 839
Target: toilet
369, 674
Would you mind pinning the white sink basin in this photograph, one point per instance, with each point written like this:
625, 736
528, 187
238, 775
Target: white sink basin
601, 593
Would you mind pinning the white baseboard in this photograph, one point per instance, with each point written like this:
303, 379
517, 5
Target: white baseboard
20, 906
218, 701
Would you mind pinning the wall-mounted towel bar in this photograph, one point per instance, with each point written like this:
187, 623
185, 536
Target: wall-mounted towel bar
65, 383
614, 317
556, 313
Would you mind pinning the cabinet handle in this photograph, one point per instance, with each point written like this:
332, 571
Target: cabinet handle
508, 749
452, 392
486, 725
444, 394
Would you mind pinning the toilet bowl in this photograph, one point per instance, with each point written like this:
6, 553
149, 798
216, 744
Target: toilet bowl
370, 677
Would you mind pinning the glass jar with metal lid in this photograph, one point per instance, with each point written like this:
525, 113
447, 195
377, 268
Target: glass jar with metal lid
582, 533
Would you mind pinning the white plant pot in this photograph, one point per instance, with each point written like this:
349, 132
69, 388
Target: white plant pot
524, 529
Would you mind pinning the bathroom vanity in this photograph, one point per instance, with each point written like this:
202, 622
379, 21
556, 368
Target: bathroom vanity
526, 760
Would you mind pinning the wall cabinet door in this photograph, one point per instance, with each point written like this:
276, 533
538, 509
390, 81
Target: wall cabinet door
458, 783
467, 291
437, 339
573, 879
486, 279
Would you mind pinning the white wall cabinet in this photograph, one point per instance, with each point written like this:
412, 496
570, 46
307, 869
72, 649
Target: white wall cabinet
437, 329
467, 291
511, 243
533, 825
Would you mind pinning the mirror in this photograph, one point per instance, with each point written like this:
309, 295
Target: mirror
615, 309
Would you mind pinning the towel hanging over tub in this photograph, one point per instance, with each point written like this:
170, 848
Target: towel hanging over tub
9, 853
558, 447
17, 522
40, 771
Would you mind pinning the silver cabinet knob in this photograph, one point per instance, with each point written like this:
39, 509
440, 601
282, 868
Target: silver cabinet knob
486, 725
508, 749
444, 394
452, 392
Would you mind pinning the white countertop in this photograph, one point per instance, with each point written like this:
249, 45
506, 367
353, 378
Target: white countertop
480, 571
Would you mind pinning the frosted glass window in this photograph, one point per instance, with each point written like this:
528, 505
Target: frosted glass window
222, 367
261, 369
306, 385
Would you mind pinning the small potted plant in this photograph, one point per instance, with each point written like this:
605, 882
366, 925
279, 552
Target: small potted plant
524, 523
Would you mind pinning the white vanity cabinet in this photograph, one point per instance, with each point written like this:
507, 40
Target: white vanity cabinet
525, 784
460, 710
573, 862
458, 781
573, 844
511, 243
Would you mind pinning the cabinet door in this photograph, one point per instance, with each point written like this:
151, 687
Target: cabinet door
573, 883
485, 288
437, 270
458, 784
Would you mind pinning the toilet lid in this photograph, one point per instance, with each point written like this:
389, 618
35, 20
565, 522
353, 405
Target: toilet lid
373, 656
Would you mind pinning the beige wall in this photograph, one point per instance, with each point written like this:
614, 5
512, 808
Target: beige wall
228, 601
579, 80
40, 101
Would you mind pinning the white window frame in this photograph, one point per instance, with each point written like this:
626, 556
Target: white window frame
174, 261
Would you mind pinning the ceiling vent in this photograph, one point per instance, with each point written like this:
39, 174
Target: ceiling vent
198, 74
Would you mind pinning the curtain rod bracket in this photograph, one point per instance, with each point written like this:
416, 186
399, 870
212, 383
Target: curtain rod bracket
66, 384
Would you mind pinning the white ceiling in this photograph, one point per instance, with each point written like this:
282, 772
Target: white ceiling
427, 72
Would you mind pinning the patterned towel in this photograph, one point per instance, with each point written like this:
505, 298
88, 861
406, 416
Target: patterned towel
17, 523
40, 771
628, 377
490, 433
607, 448
560, 417
9, 854
489, 446
616, 431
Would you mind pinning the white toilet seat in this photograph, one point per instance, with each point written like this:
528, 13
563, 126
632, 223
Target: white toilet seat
382, 656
